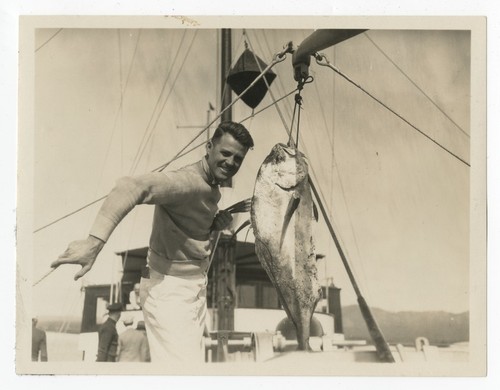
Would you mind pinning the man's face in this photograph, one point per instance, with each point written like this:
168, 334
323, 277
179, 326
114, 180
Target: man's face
225, 157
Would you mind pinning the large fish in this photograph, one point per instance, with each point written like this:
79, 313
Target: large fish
282, 216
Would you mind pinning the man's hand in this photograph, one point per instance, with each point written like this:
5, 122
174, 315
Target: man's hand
222, 220
82, 252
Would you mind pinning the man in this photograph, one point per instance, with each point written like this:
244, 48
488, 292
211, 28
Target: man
38, 342
173, 291
133, 343
108, 336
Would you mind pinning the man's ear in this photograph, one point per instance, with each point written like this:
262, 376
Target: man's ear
209, 146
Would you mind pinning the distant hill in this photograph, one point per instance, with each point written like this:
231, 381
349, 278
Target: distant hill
439, 327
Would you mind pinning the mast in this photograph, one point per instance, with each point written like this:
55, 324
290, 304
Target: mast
226, 97
224, 270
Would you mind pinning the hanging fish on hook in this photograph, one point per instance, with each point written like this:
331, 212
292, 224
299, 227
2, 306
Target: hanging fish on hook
282, 216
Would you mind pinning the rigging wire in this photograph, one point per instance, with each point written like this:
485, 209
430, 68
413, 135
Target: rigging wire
278, 83
269, 105
70, 214
329, 137
334, 167
43, 277
289, 131
48, 40
120, 107
298, 108
320, 57
290, 135
141, 144
416, 85
166, 99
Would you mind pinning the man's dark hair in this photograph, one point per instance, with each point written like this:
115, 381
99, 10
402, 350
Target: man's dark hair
237, 130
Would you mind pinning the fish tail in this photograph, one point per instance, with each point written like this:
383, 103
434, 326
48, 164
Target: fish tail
304, 330
303, 334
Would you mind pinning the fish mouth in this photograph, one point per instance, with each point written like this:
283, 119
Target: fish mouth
289, 188
288, 149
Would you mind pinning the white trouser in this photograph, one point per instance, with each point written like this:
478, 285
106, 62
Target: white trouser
175, 309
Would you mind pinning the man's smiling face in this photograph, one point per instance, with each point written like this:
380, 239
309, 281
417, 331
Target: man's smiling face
225, 156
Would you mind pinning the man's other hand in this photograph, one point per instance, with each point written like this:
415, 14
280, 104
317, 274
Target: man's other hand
222, 220
82, 252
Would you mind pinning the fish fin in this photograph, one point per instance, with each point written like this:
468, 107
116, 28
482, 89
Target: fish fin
242, 226
292, 206
315, 212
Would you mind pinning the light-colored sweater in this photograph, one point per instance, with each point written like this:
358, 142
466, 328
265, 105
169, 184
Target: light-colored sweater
185, 206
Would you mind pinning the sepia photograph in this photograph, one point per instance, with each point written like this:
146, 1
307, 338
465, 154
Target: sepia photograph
251, 196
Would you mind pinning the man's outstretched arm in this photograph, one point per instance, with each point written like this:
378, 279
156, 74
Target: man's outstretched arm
129, 191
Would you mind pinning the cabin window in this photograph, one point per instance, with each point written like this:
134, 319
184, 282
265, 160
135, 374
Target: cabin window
257, 295
270, 297
247, 296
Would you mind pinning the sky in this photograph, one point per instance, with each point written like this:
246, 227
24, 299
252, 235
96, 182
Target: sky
399, 203
9, 82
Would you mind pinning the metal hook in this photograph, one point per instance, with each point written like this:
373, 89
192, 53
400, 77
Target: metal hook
323, 61
320, 57
288, 48
302, 82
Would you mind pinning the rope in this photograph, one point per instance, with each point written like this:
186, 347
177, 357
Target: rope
290, 136
298, 104
166, 99
145, 138
44, 276
320, 57
70, 214
270, 105
416, 86
278, 83
280, 114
